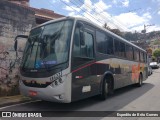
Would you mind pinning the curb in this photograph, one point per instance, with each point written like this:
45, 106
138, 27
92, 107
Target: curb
10, 100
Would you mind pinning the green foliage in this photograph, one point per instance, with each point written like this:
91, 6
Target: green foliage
117, 31
156, 42
139, 36
153, 58
156, 53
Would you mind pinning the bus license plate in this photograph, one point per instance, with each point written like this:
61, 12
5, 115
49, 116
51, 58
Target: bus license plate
32, 93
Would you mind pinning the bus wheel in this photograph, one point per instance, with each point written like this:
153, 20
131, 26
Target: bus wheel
139, 84
107, 88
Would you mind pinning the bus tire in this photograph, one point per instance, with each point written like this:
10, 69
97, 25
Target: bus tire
139, 84
107, 87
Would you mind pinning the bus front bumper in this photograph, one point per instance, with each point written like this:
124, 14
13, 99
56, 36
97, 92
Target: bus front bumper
53, 94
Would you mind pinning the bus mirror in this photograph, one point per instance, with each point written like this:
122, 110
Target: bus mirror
80, 25
15, 45
82, 41
16, 41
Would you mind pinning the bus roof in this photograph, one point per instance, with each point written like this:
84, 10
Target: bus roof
90, 22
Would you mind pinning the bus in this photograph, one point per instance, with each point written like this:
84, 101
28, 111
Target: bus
70, 59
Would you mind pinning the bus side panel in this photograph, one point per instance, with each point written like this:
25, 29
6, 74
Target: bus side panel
86, 79
118, 67
85, 82
145, 76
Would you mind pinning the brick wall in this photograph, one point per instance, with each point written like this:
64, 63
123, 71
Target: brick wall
14, 20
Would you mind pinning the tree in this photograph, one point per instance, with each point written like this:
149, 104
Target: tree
128, 36
106, 26
156, 53
153, 58
117, 31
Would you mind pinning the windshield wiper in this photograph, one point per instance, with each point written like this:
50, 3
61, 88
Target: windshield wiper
27, 51
54, 37
32, 47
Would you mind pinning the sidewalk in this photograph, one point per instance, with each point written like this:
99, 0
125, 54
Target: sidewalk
10, 100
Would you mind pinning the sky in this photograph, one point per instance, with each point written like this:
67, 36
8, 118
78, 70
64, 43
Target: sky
126, 15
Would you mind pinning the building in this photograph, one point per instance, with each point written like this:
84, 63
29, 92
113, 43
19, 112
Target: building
41, 15
44, 15
154, 47
21, 2
141, 44
16, 18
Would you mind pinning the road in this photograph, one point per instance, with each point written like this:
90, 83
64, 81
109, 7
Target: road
131, 98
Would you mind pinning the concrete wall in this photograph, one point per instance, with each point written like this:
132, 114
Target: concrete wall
14, 20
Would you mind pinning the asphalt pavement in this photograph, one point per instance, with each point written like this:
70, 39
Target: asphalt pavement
131, 98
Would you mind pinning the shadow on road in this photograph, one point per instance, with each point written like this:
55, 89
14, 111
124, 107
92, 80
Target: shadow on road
121, 98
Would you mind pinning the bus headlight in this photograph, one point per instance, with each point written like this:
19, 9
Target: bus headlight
57, 82
60, 80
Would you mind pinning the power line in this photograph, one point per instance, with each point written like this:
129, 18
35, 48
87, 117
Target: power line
72, 8
82, 10
87, 13
135, 10
122, 26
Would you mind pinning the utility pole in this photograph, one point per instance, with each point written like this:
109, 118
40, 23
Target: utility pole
136, 35
145, 26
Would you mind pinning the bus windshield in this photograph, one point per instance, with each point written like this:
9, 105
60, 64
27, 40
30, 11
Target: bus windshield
48, 45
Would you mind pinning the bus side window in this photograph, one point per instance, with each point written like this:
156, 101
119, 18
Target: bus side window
146, 58
110, 45
104, 43
122, 49
136, 54
129, 52
117, 48
85, 50
141, 56
101, 42
76, 47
